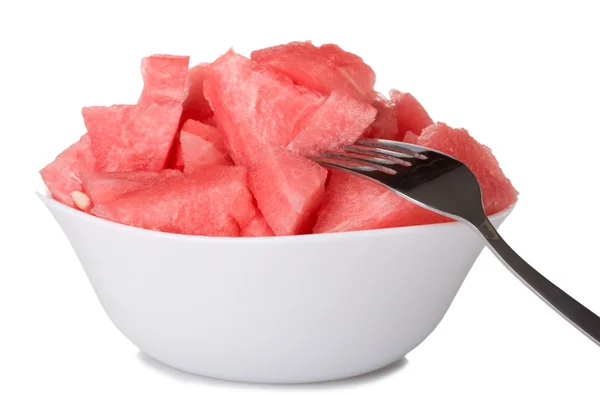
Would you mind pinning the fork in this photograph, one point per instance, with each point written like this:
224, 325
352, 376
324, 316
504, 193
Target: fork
443, 184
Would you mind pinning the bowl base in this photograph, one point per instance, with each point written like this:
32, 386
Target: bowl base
177, 373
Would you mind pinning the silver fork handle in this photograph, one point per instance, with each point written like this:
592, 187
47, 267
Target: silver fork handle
573, 311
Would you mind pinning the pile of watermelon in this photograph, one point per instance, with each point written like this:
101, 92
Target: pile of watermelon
220, 149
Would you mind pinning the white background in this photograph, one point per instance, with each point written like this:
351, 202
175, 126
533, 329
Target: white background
523, 77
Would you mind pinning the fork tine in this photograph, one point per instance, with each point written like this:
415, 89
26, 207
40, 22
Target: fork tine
332, 163
409, 150
372, 162
392, 156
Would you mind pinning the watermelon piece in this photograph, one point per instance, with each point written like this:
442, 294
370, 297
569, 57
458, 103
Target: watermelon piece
339, 120
199, 153
102, 187
214, 202
355, 203
257, 227
62, 176
255, 107
208, 132
164, 78
132, 138
497, 191
288, 189
385, 125
322, 69
196, 105
410, 114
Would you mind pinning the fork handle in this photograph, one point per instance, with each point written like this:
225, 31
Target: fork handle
573, 311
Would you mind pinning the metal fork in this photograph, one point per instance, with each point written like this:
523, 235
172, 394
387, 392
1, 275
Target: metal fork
443, 184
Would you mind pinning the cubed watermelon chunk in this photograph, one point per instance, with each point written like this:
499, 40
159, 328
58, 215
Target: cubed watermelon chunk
322, 69
411, 114
355, 203
385, 125
102, 187
132, 138
164, 78
196, 105
63, 175
254, 107
497, 191
213, 202
288, 189
339, 120
257, 227
199, 153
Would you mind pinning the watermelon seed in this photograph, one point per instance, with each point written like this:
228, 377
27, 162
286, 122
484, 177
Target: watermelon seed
81, 200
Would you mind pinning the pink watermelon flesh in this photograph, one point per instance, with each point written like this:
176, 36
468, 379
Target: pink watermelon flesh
322, 69
255, 107
63, 175
175, 158
411, 114
196, 105
355, 203
102, 187
257, 227
340, 120
497, 191
132, 138
210, 121
288, 189
385, 125
214, 202
209, 133
164, 78
199, 153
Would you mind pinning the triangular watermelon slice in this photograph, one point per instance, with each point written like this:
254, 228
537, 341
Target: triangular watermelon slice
132, 138
208, 132
199, 153
196, 105
355, 203
102, 187
62, 176
411, 114
213, 202
255, 107
322, 69
339, 120
288, 189
139, 137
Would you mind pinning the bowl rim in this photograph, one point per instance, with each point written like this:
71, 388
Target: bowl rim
50, 202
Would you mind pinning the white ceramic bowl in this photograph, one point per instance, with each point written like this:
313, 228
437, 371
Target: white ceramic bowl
279, 310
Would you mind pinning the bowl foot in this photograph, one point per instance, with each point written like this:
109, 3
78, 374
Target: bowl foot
176, 373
